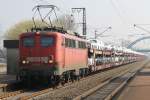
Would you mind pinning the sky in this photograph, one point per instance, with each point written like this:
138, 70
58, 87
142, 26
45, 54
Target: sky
121, 15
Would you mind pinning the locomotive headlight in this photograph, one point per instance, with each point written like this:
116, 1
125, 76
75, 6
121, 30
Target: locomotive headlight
37, 33
50, 61
23, 61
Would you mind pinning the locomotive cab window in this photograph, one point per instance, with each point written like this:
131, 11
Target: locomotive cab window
81, 44
28, 42
47, 41
70, 43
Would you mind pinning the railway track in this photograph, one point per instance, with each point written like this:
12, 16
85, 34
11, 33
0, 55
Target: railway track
4, 96
108, 90
78, 88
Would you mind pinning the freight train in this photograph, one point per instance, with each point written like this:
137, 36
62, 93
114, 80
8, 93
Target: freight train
53, 55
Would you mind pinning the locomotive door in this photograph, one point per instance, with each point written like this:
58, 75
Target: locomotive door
63, 52
36, 50
37, 47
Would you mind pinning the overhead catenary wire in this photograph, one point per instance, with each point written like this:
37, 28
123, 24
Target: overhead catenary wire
117, 11
124, 20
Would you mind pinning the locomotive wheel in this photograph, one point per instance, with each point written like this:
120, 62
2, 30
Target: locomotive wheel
54, 81
62, 81
82, 73
57, 80
72, 76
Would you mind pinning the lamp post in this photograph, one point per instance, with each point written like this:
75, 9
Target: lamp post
83, 18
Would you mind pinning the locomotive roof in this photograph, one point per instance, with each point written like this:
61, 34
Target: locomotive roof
53, 31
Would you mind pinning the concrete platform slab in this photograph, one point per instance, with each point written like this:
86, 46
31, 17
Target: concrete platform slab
3, 68
138, 88
6, 82
145, 70
6, 79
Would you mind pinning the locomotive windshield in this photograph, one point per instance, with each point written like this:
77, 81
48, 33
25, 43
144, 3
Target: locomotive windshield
28, 42
47, 41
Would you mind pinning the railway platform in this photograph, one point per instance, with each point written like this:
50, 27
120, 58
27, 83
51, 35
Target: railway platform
4, 78
138, 88
3, 68
6, 81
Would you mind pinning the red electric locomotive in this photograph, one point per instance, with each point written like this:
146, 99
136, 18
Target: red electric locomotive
51, 54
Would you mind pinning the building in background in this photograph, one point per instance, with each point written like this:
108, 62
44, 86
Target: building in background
12, 55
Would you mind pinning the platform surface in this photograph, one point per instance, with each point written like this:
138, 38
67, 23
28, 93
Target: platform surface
138, 88
3, 68
7, 79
